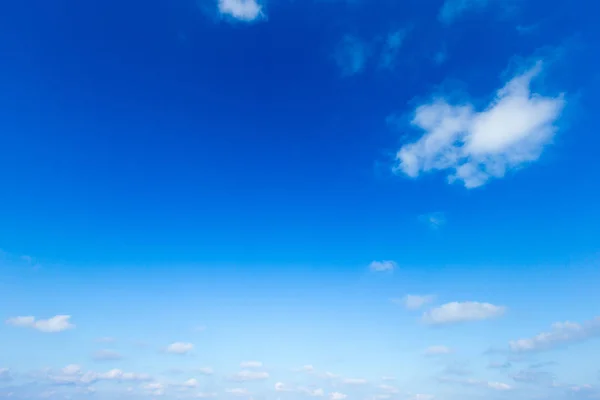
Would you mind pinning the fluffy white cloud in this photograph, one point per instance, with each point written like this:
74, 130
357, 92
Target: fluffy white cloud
337, 396
248, 375
106, 355
243, 10
251, 364
476, 146
462, 312
179, 348
453, 8
437, 350
383, 266
562, 333
58, 323
414, 302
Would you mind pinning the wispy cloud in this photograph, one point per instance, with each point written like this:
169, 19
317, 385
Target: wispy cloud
106, 355
452, 9
351, 55
476, 146
392, 45
55, 324
434, 220
462, 312
248, 375
561, 334
437, 350
413, 301
179, 348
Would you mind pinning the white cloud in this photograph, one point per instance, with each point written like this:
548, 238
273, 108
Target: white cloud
437, 350
351, 55
106, 355
354, 381
337, 396
454, 8
461, 312
191, 383
251, 364
57, 323
281, 387
389, 389
477, 146
414, 302
238, 391
383, 266
248, 375
388, 378
562, 333
243, 10
179, 348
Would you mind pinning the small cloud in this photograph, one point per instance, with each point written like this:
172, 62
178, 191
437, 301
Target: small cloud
281, 387
414, 302
305, 368
388, 378
533, 376
354, 381
311, 392
205, 371
561, 334
452, 9
351, 55
499, 365
247, 375
437, 350
106, 355
388, 389
434, 220
179, 348
476, 146
390, 50
474, 382
337, 396
383, 266
238, 391
242, 10
251, 364
55, 324
462, 312
5, 375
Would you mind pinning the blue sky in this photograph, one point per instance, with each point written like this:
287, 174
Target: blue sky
285, 200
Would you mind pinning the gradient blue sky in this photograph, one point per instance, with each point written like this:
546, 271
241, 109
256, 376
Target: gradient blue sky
288, 200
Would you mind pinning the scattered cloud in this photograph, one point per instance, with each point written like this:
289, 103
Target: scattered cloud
414, 302
305, 368
55, 324
251, 364
437, 350
392, 44
337, 396
73, 374
5, 375
383, 266
311, 392
179, 348
248, 375
533, 376
499, 365
434, 220
452, 9
241, 10
351, 55
354, 381
475, 382
389, 389
106, 355
388, 378
561, 334
238, 391
462, 312
281, 387
477, 146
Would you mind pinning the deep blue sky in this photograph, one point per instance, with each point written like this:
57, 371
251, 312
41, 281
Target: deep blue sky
168, 164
